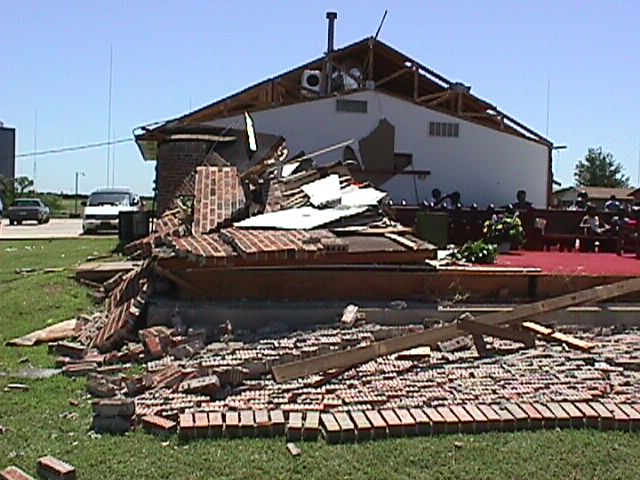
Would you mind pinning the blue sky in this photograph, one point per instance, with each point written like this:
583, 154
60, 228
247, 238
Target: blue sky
171, 57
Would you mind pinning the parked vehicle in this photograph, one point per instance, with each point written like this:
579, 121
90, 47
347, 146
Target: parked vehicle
104, 206
24, 209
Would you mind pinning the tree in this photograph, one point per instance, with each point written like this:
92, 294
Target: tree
12, 188
599, 169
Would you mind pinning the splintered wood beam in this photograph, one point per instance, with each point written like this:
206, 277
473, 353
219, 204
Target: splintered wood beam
468, 324
388, 78
431, 336
549, 334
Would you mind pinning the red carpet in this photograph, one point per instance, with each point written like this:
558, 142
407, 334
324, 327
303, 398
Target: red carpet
574, 263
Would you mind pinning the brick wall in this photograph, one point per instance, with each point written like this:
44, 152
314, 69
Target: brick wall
176, 162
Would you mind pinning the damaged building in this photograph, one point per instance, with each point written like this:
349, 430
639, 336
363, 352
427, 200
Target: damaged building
400, 125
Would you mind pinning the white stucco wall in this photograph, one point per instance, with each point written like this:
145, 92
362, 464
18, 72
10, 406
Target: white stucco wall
485, 165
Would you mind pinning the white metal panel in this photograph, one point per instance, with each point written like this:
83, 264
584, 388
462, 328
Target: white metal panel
485, 165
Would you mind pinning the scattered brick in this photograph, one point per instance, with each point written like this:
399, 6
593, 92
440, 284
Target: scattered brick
232, 424
277, 423
575, 415
548, 418
452, 424
480, 422
607, 422
377, 423
438, 423
311, 428
347, 428
330, 428
294, 427
394, 425
591, 417
263, 424
423, 425
215, 424
186, 426
53, 469
465, 420
362, 426
14, 473
158, 425
563, 420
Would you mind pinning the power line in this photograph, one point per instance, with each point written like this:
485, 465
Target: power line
76, 148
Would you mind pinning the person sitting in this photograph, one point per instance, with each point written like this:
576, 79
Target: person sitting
522, 203
437, 200
591, 222
613, 205
454, 200
582, 201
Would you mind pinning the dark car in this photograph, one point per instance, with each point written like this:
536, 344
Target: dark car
24, 209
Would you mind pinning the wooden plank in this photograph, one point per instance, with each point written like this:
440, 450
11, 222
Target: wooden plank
537, 328
470, 325
431, 336
405, 242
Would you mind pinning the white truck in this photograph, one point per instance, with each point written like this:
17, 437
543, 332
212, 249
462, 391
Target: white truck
102, 209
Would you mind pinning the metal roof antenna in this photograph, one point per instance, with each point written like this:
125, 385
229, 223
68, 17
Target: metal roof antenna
375, 37
331, 17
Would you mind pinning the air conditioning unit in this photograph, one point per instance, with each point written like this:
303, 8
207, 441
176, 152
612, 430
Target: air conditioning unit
310, 80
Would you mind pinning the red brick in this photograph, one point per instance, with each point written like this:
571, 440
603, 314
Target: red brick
362, 425
247, 424
465, 420
536, 420
591, 417
607, 422
14, 473
348, 430
576, 416
521, 418
422, 421
277, 422
563, 420
158, 425
330, 427
186, 426
494, 422
480, 422
263, 423
232, 424
394, 425
633, 414
215, 424
452, 424
54, 469
622, 420
408, 423
438, 424
311, 427
548, 418
378, 424
294, 427
201, 424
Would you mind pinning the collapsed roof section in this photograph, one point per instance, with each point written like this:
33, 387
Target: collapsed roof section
368, 64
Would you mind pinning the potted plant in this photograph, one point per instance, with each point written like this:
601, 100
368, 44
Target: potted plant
504, 230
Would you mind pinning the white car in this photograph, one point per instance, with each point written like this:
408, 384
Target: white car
102, 209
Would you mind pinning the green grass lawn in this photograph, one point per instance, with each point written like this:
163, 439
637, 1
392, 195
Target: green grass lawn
54, 416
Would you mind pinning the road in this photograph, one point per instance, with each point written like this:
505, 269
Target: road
56, 228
